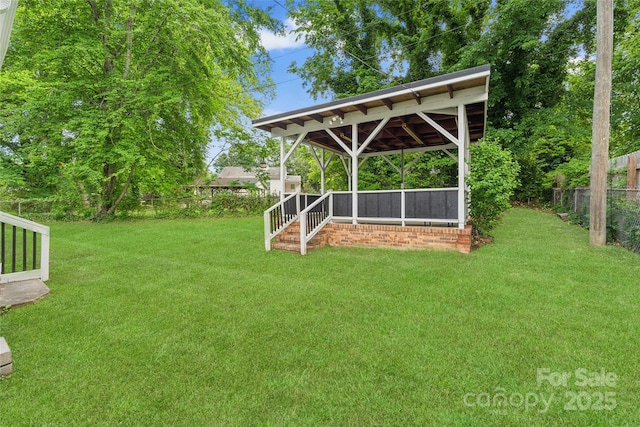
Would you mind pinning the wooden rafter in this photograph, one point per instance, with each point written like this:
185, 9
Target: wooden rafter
361, 108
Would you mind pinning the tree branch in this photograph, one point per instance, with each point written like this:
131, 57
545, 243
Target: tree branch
129, 30
124, 190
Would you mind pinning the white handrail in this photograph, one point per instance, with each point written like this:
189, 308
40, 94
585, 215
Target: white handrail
268, 232
43, 272
306, 238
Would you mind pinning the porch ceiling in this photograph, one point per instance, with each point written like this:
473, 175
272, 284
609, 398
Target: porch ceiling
436, 98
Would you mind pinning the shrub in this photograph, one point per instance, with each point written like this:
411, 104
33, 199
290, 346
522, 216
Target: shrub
493, 178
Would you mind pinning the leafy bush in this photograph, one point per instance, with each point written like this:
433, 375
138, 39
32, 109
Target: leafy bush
493, 178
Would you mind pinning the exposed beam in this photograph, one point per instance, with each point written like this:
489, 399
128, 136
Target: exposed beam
413, 162
439, 128
297, 121
386, 159
412, 133
295, 145
388, 103
317, 117
324, 147
339, 141
361, 108
372, 135
315, 156
412, 150
450, 90
448, 153
338, 113
417, 97
345, 137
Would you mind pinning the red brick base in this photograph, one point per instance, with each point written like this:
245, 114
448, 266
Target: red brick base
386, 236
395, 236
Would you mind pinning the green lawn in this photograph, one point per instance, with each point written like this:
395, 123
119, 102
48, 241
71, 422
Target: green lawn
191, 322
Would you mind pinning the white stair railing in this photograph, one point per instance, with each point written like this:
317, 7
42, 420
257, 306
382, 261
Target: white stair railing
23, 257
313, 218
279, 216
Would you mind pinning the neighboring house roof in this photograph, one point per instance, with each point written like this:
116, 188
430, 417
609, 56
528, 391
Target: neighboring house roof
237, 174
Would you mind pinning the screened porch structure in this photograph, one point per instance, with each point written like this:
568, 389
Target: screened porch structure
446, 112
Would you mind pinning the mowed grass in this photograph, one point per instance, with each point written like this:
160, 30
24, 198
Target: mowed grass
191, 322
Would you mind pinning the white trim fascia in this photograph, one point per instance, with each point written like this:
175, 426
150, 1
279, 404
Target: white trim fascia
400, 92
432, 103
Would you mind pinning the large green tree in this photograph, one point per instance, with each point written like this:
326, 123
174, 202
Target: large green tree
364, 45
345, 35
626, 79
99, 97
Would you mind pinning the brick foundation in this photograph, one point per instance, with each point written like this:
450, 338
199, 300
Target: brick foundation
394, 236
390, 236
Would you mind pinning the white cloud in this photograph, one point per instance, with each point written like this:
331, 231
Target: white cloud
272, 41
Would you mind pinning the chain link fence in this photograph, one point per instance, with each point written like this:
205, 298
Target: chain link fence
623, 212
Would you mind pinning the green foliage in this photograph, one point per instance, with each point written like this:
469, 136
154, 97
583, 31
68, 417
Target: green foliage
492, 180
100, 99
574, 173
528, 44
625, 136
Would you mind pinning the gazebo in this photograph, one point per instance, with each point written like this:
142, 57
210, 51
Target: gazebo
446, 112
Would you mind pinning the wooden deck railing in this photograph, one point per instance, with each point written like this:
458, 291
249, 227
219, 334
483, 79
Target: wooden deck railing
24, 249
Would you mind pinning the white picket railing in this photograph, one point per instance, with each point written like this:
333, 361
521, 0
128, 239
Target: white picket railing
28, 258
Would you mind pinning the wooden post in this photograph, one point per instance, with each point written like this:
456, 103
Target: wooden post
283, 171
462, 119
632, 172
601, 119
354, 172
322, 169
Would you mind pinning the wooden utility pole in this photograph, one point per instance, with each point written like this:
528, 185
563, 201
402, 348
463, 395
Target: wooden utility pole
600, 133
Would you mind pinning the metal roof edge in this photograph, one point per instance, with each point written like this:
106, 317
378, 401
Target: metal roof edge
372, 96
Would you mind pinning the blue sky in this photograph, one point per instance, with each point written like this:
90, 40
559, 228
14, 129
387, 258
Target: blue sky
290, 94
